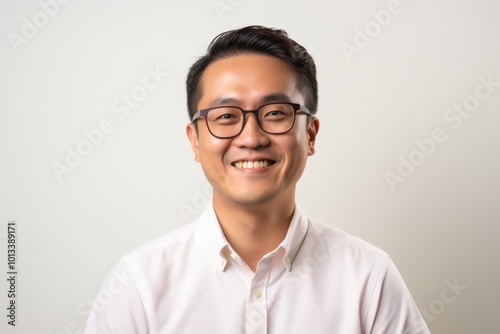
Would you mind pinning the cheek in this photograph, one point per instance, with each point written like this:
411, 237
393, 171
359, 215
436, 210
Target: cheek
301, 138
299, 148
211, 148
296, 149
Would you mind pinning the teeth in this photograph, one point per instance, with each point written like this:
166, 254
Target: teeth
252, 164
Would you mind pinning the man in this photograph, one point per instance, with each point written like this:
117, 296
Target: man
253, 262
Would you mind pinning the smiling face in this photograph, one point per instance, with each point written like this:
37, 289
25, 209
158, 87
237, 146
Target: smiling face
254, 167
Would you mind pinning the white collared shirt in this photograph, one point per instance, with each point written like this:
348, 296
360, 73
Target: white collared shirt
318, 280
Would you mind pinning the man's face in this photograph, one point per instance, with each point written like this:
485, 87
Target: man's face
249, 81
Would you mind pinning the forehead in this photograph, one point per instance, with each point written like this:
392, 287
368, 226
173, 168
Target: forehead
247, 77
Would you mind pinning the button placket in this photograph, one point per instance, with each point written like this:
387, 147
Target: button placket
257, 304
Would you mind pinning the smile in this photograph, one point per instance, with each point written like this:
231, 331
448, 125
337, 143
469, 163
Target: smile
253, 164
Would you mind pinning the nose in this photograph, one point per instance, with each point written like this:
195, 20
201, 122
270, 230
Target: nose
252, 135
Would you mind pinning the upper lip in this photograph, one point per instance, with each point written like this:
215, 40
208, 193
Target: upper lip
253, 159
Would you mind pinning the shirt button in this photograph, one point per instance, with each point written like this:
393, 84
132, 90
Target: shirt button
287, 260
257, 293
222, 262
234, 256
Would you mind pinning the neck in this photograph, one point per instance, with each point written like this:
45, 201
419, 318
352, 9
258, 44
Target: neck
254, 230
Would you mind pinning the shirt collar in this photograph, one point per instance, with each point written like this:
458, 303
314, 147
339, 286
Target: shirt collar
294, 236
211, 232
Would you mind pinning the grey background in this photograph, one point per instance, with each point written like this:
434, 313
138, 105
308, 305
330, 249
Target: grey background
441, 224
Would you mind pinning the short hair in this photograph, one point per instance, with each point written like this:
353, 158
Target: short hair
256, 40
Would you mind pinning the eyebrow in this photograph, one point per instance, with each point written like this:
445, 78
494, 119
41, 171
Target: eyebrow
275, 97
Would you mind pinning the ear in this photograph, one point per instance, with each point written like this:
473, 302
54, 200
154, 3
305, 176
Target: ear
192, 135
312, 132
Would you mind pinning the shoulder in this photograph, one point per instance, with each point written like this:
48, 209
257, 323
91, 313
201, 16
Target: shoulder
164, 247
342, 244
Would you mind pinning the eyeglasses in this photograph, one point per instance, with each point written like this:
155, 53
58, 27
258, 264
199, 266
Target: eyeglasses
228, 121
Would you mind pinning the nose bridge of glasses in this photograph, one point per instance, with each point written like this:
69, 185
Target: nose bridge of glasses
247, 118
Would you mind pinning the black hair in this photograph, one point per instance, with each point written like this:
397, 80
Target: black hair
260, 40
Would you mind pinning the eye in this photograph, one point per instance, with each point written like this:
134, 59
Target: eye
274, 112
226, 116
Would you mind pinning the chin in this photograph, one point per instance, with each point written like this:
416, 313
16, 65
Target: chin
251, 198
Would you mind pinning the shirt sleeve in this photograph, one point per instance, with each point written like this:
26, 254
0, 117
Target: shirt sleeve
392, 308
118, 307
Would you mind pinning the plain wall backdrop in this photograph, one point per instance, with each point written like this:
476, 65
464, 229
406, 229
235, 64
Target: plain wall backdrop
95, 162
